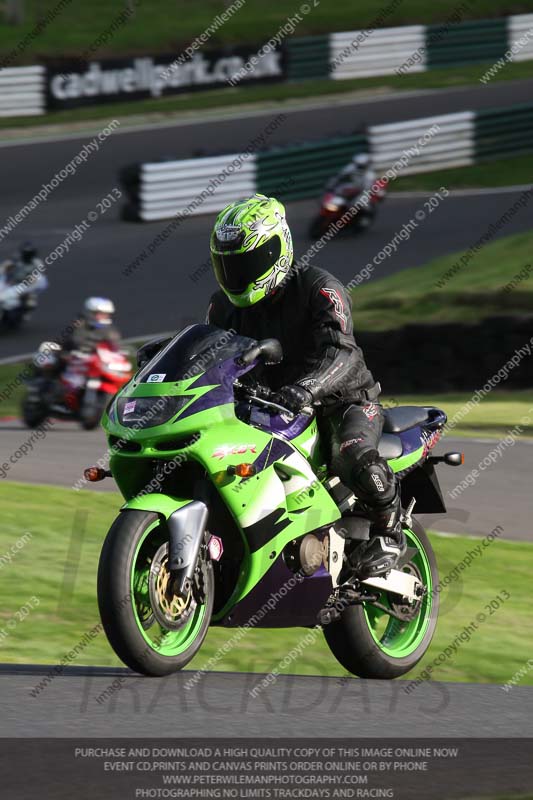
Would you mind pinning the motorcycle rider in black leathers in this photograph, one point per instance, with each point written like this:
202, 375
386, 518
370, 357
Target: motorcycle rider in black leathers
264, 294
94, 326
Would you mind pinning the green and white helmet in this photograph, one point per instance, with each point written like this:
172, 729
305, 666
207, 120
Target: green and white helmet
251, 249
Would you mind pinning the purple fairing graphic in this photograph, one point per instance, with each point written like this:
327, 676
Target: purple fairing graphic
411, 440
300, 604
222, 377
292, 428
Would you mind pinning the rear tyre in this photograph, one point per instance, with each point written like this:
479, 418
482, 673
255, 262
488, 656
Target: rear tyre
370, 643
134, 598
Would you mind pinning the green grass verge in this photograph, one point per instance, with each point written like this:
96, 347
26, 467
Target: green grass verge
56, 520
497, 414
275, 94
473, 293
515, 171
170, 24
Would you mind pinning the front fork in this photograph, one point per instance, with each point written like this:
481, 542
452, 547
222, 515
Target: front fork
186, 528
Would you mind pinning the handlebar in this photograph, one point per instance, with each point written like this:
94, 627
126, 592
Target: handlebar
267, 398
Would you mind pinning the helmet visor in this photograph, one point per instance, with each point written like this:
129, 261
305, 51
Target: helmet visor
236, 271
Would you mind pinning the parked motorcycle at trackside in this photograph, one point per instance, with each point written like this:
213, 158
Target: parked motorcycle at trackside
82, 389
229, 504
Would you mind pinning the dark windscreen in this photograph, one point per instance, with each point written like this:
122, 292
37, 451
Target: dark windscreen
192, 351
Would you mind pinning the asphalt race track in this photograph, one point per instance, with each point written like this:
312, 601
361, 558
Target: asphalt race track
172, 286
161, 296
313, 706
62, 455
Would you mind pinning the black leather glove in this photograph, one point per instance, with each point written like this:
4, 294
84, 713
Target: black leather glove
295, 397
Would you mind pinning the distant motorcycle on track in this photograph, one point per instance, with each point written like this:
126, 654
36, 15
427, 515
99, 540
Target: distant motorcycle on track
18, 301
339, 200
82, 390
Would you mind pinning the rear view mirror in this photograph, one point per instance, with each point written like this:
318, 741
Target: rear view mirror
148, 350
271, 351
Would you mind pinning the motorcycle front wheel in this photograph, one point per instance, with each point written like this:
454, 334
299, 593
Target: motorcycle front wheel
92, 409
151, 630
34, 412
370, 643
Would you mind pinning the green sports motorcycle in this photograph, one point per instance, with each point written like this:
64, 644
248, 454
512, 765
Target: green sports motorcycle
232, 519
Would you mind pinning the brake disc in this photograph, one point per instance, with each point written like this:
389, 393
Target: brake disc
170, 610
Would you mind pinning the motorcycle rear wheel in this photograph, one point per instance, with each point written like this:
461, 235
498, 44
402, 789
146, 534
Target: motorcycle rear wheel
129, 577
370, 643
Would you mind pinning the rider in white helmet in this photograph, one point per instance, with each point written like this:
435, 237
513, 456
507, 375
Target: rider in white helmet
358, 173
94, 325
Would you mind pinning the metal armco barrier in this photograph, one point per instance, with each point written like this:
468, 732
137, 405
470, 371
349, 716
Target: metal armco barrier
192, 186
22, 91
521, 25
298, 171
466, 43
307, 57
337, 56
204, 185
426, 144
504, 131
360, 54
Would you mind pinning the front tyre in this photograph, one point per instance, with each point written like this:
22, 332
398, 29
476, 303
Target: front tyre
370, 643
93, 407
151, 630
34, 410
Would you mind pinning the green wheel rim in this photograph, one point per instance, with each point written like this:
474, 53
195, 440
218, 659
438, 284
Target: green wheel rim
160, 641
396, 638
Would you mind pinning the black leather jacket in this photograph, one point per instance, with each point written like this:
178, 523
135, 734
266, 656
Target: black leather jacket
86, 338
311, 315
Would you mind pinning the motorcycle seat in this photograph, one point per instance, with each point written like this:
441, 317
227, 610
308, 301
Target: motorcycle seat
404, 417
390, 446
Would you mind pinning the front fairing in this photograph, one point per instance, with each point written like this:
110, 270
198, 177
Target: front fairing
282, 501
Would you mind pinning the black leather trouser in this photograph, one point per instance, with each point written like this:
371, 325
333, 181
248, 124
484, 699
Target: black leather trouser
353, 432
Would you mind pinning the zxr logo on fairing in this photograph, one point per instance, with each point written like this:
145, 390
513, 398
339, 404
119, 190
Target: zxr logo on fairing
335, 298
233, 450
